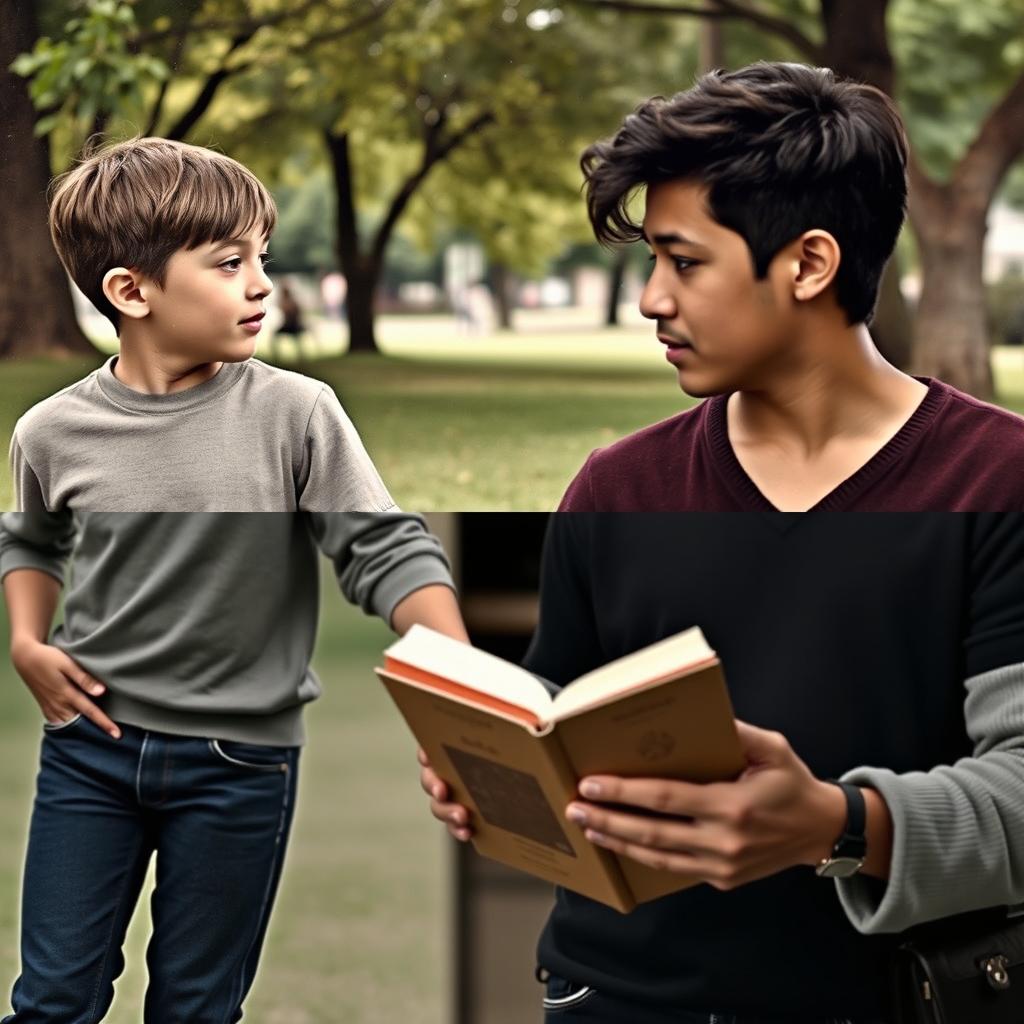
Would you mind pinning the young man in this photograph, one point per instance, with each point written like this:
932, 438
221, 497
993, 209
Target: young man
169, 242
172, 696
885, 651
774, 197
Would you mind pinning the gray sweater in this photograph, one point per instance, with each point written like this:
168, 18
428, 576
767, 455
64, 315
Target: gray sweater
253, 438
204, 624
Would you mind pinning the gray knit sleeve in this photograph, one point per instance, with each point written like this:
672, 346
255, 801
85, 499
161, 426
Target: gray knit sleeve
337, 473
958, 836
381, 558
28, 491
36, 540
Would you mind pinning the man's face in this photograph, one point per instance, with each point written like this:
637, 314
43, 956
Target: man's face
210, 296
723, 330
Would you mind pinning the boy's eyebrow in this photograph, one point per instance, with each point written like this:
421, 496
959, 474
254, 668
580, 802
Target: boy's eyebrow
671, 238
236, 242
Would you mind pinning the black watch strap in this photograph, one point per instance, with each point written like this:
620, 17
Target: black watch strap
851, 847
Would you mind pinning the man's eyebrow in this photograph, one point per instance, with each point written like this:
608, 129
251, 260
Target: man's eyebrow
671, 238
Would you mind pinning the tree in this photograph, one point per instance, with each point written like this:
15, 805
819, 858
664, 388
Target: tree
950, 334
36, 312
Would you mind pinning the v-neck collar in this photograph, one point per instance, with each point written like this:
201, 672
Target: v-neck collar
842, 496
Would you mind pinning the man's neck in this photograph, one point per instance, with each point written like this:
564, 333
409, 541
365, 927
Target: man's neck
840, 390
142, 367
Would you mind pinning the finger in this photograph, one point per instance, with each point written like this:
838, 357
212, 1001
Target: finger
93, 713
640, 829
660, 860
421, 756
761, 746
665, 796
432, 784
73, 671
449, 813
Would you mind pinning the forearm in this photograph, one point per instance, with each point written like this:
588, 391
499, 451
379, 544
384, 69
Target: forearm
433, 605
830, 821
958, 830
31, 597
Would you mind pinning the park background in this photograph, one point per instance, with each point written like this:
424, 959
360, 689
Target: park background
427, 151
424, 157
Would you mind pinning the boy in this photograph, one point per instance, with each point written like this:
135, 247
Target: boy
172, 696
885, 651
774, 197
169, 242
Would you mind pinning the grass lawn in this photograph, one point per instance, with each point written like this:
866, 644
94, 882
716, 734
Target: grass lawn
473, 424
360, 926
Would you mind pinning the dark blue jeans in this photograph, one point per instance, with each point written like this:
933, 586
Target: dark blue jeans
216, 814
566, 1002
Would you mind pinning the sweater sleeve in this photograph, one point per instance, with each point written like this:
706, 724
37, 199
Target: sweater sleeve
36, 540
958, 830
28, 491
337, 474
381, 558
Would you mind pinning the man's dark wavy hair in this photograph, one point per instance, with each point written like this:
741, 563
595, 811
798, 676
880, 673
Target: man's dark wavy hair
781, 149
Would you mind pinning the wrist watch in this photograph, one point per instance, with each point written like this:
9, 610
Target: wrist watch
847, 857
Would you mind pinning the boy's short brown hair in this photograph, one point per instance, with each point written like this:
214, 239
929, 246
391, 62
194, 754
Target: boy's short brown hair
135, 203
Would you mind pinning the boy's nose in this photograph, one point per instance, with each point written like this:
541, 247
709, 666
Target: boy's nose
656, 303
261, 286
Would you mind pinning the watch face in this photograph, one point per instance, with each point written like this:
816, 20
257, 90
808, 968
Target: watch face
839, 867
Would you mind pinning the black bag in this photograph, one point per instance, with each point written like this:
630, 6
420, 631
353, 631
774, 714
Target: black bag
967, 969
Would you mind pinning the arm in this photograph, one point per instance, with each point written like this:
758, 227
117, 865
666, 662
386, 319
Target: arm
959, 829
28, 491
31, 584
337, 474
382, 559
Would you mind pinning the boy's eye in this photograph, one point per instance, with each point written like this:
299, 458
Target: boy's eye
681, 262
235, 263
266, 258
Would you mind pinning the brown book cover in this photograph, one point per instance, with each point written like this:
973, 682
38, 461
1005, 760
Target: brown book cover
514, 755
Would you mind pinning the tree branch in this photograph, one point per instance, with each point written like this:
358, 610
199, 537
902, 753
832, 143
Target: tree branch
724, 9
434, 152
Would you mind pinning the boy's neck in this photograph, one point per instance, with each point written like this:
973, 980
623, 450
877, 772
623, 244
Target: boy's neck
142, 367
841, 387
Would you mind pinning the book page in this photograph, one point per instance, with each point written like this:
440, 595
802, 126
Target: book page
672, 657
471, 668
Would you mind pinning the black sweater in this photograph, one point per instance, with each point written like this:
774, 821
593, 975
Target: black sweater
851, 634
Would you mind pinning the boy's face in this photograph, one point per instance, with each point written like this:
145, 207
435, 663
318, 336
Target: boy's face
723, 329
210, 296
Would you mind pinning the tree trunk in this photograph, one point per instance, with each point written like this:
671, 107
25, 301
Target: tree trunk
616, 275
360, 305
951, 326
36, 312
500, 282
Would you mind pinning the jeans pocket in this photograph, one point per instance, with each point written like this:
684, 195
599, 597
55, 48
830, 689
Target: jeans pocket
565, 995
254, 756
52, 727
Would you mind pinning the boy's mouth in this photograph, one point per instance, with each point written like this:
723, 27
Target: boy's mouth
254, 319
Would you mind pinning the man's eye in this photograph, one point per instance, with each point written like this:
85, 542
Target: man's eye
681, 262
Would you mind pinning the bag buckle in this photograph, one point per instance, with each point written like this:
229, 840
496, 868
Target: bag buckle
996, 973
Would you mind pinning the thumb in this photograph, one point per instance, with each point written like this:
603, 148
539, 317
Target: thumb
761, 746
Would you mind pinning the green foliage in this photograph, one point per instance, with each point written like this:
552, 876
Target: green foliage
91, 72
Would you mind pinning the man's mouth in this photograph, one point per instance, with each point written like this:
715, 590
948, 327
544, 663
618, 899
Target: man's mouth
672, 341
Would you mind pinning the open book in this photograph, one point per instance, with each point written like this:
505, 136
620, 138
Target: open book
514, 753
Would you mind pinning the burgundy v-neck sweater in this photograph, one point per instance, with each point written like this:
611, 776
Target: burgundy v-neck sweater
954, 454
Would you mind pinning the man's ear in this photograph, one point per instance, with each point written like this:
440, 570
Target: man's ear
125, 290
815, 263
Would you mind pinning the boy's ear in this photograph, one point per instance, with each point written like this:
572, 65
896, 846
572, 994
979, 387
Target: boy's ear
815, 263
125, 291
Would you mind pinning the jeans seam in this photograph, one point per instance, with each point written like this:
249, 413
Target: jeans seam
138, 770
110, 936
240, 982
